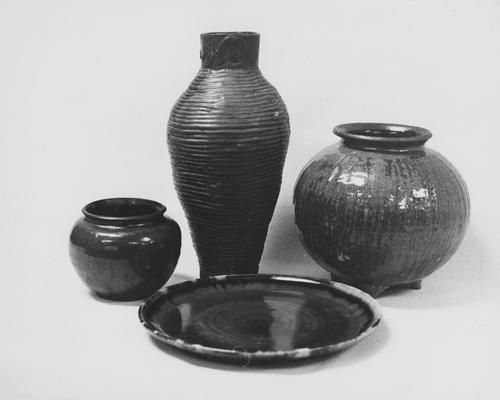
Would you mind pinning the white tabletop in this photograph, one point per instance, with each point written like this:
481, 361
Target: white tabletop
86, 89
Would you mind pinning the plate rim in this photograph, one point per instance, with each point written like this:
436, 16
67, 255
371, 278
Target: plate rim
240, 353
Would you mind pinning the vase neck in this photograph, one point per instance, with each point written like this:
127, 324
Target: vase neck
379, 136
229, 50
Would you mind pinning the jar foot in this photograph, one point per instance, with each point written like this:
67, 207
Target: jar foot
372, 290
415, 285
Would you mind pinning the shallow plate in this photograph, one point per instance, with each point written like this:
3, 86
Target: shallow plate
260, 317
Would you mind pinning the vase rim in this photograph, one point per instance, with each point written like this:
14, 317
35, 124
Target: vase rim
123, 210
231, 33
383, 134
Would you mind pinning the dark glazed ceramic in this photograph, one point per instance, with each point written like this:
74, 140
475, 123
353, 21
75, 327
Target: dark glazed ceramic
380, 209
260, 317
123, 248
228, 136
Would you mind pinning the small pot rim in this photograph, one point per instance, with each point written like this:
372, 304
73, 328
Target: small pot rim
150, 210
385, 134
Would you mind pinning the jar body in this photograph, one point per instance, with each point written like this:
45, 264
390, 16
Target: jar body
228, 136
377, 218
125, 261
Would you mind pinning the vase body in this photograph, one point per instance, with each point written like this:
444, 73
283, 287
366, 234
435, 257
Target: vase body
380, 209
227, 137
124, 249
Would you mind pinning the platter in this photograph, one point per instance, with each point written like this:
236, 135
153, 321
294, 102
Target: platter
260, 317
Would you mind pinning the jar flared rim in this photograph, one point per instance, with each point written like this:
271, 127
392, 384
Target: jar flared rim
123, 210
383, 134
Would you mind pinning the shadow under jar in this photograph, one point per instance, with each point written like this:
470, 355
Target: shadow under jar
124, 248
379, 209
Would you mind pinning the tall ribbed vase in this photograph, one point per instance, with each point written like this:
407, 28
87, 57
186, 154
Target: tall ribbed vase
228, 136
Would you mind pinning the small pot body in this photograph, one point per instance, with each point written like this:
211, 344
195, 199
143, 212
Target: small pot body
380, 209
123, 259
228, 136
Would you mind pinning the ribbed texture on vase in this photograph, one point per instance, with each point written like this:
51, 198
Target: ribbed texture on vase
383, 218
228, 135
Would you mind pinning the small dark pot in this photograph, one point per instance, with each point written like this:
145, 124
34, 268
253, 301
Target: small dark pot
124, 248
379, 209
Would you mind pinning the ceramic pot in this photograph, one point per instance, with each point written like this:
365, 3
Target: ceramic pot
380, 209
228, 136
124, 248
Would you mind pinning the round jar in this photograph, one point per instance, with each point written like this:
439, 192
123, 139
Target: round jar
124, 248
379, 209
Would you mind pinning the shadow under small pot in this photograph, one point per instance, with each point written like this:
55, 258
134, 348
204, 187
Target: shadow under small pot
124, 248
